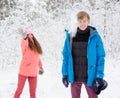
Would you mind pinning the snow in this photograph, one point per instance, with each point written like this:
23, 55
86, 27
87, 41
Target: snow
50, 85
48, 19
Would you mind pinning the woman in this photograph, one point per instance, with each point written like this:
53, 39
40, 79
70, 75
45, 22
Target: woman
30, 64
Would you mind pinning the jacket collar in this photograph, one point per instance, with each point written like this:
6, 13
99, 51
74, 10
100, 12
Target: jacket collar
71, 33
93, 31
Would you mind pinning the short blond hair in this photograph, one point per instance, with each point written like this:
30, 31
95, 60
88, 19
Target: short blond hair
83, 14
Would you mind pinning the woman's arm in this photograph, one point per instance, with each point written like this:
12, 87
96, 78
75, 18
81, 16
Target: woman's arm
41, 71
24, 45
39, 63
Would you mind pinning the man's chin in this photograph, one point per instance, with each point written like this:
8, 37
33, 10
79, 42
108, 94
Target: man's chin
83, 29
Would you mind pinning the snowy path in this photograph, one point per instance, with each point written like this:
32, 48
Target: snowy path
50, 86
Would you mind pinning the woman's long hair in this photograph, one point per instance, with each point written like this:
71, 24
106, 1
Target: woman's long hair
34, 45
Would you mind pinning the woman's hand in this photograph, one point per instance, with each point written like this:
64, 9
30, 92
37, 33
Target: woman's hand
21, 32
41, 71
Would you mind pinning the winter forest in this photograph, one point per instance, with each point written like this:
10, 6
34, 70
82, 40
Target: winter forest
48, 19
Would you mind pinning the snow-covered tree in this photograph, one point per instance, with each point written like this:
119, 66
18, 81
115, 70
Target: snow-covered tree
5, 7
54, 16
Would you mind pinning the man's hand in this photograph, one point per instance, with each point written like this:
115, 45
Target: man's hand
65, 81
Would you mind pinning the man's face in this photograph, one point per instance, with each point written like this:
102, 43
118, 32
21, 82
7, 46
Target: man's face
83, 23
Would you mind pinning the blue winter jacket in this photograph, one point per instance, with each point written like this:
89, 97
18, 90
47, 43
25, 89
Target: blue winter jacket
95, 55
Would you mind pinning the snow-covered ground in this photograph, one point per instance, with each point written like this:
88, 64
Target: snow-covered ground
50, 85
48, 19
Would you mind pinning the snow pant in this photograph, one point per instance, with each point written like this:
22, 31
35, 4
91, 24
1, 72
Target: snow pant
76, 90
32, 86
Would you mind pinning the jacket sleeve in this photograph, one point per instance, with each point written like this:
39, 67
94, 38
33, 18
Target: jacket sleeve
65, 59
24, 45
100, 58
39, 63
